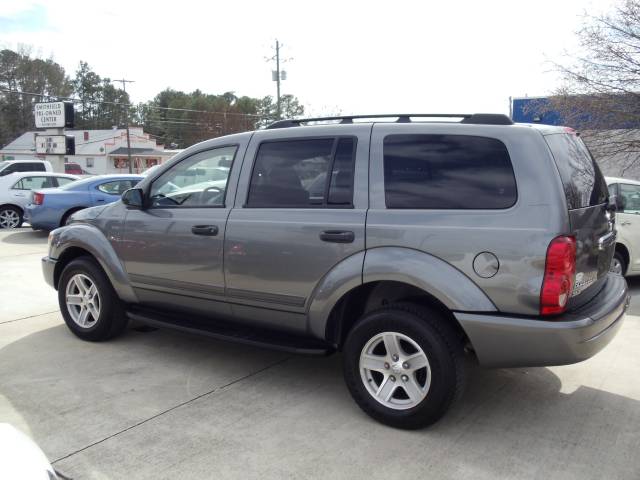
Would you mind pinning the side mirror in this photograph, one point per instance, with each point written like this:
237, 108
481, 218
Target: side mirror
616, 202
133, 198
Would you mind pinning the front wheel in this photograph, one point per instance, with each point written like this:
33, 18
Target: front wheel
89, 305
404, 365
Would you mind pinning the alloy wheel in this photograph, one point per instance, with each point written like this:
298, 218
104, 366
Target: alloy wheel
9, 219
83, 300
395, 370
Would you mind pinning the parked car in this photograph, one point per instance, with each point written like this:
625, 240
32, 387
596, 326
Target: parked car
15, 193
12, 166
73, 168
428, 240
21, 457
53, 207
626, 259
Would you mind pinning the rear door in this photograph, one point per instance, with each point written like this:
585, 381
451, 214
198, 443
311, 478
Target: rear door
591, 223
300, 211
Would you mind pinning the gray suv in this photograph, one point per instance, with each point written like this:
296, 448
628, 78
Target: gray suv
406, 243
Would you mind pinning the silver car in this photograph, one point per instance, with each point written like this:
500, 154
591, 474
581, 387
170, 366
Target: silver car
15, 193
405, 244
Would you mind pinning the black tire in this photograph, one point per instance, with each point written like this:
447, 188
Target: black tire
65, 217
112, 319
15, 211
444, 351
623, 263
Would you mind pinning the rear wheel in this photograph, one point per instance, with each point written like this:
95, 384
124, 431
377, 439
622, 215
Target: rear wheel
10, 217
66, 218
404, 365
618, 264
89, 305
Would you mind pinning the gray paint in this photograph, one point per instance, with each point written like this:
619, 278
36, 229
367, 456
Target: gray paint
503, 341
268, 267
455, 290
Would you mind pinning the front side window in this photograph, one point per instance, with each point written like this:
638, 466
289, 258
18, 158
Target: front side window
198, 181
630, 195
303, 173
30, 183
116, 187
447, 172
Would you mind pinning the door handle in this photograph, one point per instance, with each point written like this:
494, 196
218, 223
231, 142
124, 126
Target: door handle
208, 230
626, 222
99, 199
337, 236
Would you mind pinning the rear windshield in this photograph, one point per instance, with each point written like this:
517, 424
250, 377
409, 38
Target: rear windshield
584, 185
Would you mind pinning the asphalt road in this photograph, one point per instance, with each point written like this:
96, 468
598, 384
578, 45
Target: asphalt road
157, 404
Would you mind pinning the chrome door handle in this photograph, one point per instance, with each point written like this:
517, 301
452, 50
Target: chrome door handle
207, 230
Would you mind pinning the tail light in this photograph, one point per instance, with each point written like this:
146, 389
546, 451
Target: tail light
559, 275
38, 198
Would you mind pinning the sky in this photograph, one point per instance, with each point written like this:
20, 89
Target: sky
348, 57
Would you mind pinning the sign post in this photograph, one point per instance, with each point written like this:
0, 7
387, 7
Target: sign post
54, 117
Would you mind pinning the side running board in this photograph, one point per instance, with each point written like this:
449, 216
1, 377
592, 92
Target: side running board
231, 332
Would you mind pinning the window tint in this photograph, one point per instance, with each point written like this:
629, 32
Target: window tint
303, 173
29, 167
116, 187
584, 185
30, 183
447, 172
630, 196
64, 180
198, 181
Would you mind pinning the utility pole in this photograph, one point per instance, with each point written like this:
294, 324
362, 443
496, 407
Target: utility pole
126, 122
278, 74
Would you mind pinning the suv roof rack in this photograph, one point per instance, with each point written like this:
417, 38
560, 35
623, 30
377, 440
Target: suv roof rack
468, 118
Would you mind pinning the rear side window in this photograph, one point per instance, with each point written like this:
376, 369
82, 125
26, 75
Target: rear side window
31, 183
303, 173
584, 185
447, 172
117, 187
30, 167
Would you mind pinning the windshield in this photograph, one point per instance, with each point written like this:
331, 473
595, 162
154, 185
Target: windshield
3, 165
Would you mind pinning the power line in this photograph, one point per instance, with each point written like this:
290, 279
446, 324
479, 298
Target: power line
130, 105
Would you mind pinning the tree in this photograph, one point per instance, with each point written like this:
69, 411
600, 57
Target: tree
101, 105
21, 73
268, 109
601, 91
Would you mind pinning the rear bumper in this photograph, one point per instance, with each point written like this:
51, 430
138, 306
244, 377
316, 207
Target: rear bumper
502, 341
48, 269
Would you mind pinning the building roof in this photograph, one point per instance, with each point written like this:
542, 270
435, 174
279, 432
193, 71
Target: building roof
138, 151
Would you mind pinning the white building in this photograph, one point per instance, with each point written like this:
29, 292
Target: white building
97, 151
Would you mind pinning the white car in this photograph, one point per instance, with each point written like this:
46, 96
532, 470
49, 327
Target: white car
34, 165
15, 193
626, 260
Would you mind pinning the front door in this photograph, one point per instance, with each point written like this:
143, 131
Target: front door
172, 248
296, 218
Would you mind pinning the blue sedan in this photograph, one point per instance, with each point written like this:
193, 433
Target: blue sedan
51, 207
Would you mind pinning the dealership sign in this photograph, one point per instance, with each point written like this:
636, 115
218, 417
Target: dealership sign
56, 144
54, 115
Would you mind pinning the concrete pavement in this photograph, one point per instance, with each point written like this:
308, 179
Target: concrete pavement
159, 404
